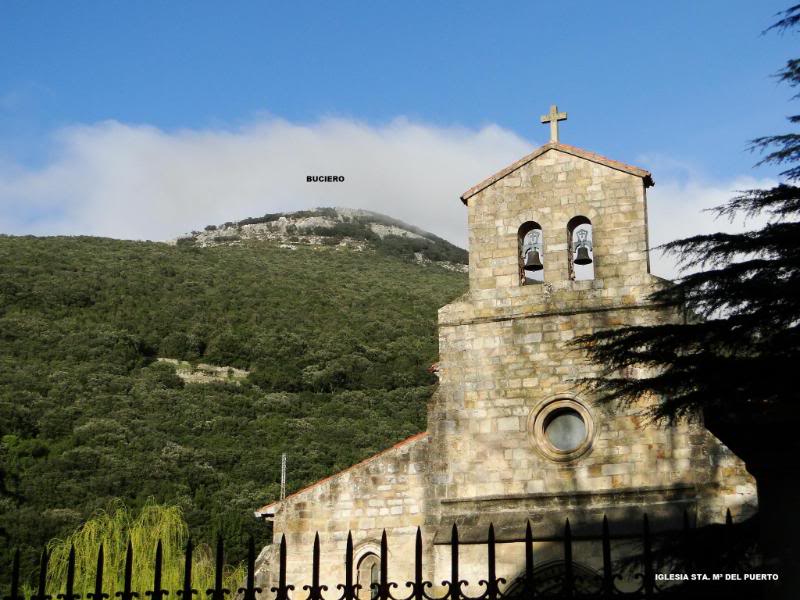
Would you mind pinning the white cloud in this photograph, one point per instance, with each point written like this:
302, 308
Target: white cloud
676, 209
139, 182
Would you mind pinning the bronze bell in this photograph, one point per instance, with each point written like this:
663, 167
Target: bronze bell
582, 258
532, 261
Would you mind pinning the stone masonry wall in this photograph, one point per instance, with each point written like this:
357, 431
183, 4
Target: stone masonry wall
550, 190
387, 491
504, 350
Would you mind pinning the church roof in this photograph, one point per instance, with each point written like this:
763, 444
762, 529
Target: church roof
580, 153
266, 509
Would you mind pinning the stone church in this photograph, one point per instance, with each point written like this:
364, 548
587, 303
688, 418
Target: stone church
558, 247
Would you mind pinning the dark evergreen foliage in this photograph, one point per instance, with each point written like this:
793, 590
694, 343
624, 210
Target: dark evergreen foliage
738, 345
733, 357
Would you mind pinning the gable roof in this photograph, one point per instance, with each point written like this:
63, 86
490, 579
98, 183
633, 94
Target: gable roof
574, 151
266, 509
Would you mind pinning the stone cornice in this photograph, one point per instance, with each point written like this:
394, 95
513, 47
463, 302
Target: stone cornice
679, 489
550, 313
574, 151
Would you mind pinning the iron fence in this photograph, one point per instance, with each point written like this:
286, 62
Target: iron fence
568, 581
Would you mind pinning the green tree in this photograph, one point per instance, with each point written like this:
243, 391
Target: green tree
114, 529
732, 359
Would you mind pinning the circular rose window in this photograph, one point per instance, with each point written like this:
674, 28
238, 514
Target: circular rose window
565, 429
562, 429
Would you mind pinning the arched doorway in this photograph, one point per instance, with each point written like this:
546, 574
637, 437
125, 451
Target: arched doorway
369, 573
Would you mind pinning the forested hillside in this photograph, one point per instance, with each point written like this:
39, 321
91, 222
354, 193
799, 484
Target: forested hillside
337, 344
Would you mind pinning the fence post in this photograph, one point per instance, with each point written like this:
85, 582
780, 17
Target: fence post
315, 589
728, 530
569, 575
649, 579
383, 587
730, 563
454, 589
218, 592
529, 584
127, 594
608, 576
419, 585
70, 589
157, 593
187, 592
688, 546
250, 588
315, 563
98, 593
491, 584
282, 591
43, 563
348, 589
14, 579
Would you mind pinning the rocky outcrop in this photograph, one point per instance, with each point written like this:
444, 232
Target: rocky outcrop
354, 229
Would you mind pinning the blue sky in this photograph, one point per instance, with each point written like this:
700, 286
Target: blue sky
676, 87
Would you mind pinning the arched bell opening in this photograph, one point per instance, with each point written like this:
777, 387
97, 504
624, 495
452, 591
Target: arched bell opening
531, 253
581, 252
369, 575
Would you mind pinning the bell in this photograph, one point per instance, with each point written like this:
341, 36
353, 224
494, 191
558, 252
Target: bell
582, 258
532, 261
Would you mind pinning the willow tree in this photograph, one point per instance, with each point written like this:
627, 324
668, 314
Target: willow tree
733, 358
114, 529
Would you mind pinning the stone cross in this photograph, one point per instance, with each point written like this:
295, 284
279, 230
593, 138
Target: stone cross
553, 118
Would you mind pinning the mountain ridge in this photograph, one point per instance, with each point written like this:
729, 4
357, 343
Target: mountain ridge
356, 229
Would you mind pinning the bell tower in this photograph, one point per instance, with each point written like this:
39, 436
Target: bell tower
558, 249
560, 216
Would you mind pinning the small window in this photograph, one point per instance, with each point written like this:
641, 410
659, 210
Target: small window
561, 429
581, 252
369, 575
565, 429
531, 253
